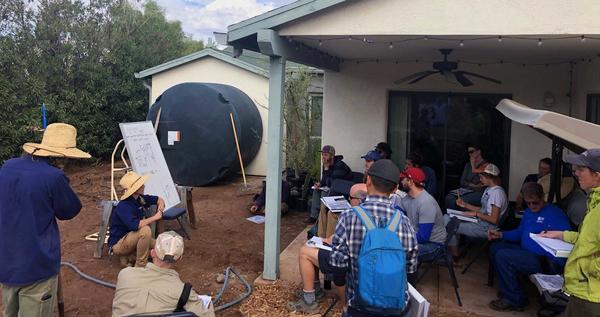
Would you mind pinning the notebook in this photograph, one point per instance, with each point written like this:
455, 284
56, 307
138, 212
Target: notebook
556, 247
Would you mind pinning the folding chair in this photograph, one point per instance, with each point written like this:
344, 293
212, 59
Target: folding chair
176, 213
444, 257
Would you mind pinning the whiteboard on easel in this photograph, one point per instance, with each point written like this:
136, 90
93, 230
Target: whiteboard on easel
147, 157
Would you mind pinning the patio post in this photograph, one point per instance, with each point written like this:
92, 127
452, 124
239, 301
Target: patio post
274, 168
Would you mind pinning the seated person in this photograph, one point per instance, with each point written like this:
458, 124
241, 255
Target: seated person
157, 287
347, 242
493, 206
384, 150
544, 168
415, 159
258, 205
369, 158
471, 188
424, 214
333, 168
328, 220
129, 229
518, 253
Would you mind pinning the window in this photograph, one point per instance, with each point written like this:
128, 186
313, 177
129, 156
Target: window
316, 108
593, 108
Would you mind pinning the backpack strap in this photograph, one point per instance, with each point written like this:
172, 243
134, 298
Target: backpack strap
183, 298
364, 217
395, 222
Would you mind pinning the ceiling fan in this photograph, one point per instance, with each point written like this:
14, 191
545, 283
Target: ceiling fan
449, 70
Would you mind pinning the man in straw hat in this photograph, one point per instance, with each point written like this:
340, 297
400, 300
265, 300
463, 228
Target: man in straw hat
157, 287
129, 230
33, 194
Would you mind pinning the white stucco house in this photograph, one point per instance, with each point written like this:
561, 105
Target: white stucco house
249, 73
541, 53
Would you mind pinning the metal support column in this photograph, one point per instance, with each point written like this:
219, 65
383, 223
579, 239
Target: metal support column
556, 177
274, 168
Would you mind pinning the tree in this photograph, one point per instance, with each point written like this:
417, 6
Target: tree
78, 57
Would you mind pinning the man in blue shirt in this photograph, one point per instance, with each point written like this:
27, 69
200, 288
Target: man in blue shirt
33, 194
519, 254
129, 229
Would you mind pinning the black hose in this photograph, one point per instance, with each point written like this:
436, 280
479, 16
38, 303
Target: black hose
215, 300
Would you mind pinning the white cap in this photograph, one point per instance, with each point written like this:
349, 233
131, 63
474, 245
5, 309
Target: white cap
169, 246
492, 170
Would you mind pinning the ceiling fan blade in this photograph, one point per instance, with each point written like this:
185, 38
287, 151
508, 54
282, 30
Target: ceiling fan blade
482, 77
413, 76
449, 77
462, 79
429, 73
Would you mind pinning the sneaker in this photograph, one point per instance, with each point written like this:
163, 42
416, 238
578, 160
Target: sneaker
319, 294
502, 305
310, 220
301, 306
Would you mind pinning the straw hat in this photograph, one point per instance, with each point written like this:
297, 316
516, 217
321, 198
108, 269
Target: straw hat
59, 140
131, 182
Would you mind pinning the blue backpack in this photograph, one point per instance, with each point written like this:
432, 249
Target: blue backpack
381, 267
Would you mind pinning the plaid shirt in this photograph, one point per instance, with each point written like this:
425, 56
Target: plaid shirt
349, 235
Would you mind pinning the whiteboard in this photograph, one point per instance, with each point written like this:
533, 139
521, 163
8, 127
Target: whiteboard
147, 158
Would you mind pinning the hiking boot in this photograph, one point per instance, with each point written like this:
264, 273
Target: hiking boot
301, 306
319, 294
502, 305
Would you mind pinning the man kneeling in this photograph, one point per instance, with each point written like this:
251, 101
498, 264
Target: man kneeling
157, 287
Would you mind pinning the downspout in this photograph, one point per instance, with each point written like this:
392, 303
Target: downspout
570, 93
148, 85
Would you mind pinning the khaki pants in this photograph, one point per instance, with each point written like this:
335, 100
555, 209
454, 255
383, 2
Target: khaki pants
327, 222
139, 242
578, 307
33, 300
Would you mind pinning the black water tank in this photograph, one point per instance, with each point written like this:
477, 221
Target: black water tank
196, 134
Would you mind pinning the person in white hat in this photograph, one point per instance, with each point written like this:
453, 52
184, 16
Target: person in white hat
129, 229
33, 194
494, 204
157, 287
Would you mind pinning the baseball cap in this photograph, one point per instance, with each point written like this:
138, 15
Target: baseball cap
385, 169
371, 156
589, 159
169, 246
491, 169
415, 174
328, 149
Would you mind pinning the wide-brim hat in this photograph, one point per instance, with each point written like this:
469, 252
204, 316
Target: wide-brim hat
131, 182
59, 140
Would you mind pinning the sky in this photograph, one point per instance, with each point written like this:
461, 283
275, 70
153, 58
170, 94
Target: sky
200, 18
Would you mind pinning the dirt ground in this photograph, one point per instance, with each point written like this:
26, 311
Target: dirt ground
223, 238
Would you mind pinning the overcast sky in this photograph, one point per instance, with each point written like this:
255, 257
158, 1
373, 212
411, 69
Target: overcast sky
200, 18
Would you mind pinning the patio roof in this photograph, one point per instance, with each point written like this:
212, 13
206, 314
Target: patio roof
580, 133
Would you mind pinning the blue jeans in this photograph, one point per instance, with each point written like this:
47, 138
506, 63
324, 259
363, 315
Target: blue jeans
510, 260
429, 251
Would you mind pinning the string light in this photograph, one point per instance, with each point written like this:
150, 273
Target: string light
540, 42
391, 45
500, 38
425, 38
365, 39
320, 43
462, 43
582, 38
349, 38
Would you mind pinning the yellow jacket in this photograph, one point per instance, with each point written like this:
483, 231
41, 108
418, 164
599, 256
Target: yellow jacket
153, 289
582, 271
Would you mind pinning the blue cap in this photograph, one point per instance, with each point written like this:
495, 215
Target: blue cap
371, 156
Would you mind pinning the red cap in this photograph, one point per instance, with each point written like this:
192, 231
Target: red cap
415, 174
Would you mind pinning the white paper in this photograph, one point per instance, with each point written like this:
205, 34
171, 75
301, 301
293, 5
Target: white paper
419, 306
544, 282
556, 247
257, 219
316, 242
336, 203
206, 300
172, 137
460, 215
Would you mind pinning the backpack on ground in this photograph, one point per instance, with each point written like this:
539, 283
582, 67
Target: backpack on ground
553, 303
381, 267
